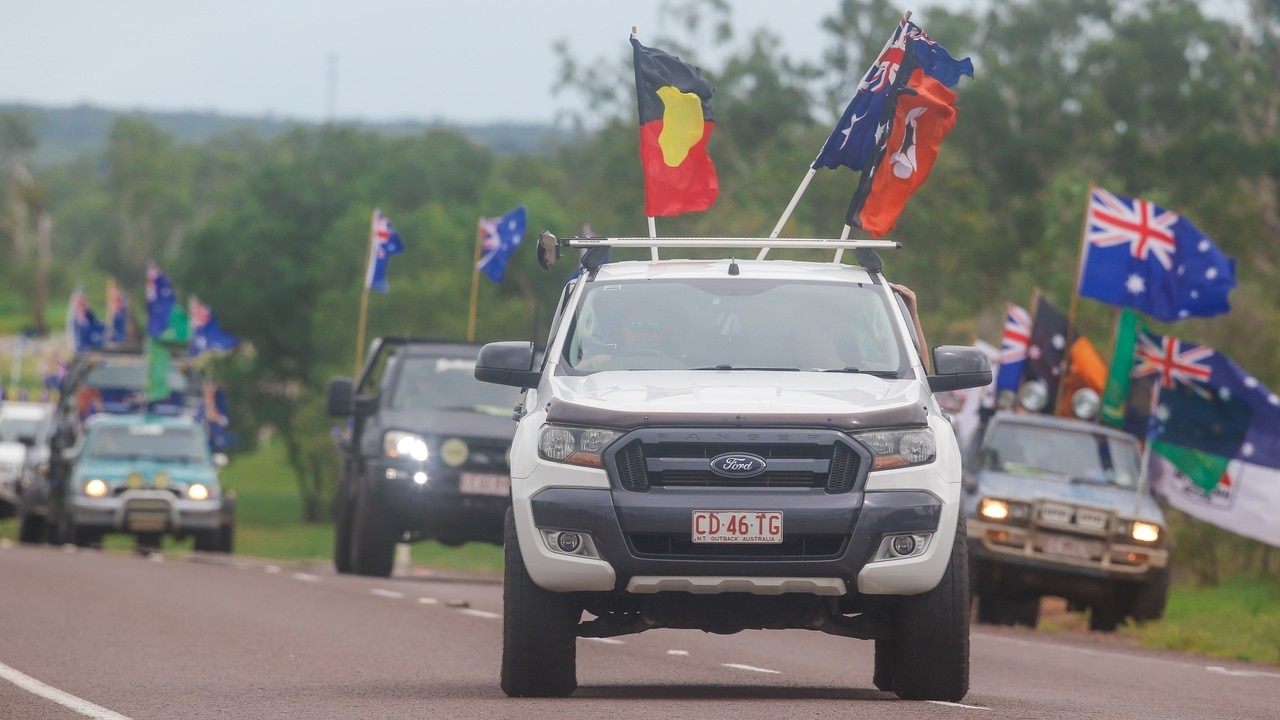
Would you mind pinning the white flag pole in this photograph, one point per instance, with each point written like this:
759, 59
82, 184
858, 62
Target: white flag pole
791, 206
653, 233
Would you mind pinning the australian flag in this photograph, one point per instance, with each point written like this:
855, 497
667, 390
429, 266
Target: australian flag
160, 301
1046, 348
499, 238
206, 334
853, 142
1013, 348
1137, 254
384, 242
87, 331
215, 413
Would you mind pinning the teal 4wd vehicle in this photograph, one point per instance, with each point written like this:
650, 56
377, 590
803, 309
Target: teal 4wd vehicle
147, 476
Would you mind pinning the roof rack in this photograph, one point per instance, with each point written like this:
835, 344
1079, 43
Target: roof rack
726, 242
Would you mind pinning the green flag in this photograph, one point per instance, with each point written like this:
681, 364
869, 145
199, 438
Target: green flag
157, 371
1201, 468
1116, 394
179, 330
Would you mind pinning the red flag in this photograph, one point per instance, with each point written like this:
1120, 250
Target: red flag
922, 119
674, 102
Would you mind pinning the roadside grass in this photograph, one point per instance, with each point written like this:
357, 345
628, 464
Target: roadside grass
1238, 619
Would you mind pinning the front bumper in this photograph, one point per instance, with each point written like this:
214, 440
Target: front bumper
439, 507
146, 511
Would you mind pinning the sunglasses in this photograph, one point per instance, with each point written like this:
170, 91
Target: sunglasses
644, 325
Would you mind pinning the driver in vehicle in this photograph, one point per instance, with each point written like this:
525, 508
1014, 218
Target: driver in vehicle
642, 331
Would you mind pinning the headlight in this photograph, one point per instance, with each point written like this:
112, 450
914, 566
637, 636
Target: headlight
575, 446
993, 509
899, 448
95, 488
1145, 532
454, 452
198, 491
399, 444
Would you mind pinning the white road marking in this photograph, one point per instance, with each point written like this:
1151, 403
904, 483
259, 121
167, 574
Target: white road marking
480, 613
606, 641
386, 593
428, 601
681, 653
751, 668
271, 569
1240, 673
961, 705
65, 699
304, 577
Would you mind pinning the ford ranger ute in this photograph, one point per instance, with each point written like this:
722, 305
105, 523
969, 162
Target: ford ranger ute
722, 445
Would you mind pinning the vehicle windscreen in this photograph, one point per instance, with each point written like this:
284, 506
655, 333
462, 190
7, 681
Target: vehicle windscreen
436, 383
146, 442
1064, 454
735, 323
18, 429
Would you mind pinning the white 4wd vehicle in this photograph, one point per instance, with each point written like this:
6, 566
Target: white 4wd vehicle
728, 445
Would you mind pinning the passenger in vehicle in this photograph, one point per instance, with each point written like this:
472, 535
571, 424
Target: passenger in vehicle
642, 331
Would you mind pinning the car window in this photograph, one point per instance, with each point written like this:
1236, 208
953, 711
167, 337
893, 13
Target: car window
438, 383
152, 442
14, 429
734, 323
1067, 454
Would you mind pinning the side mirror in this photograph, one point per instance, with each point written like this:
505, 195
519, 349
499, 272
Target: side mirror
508, 363
959, 367
220, 460
341, 392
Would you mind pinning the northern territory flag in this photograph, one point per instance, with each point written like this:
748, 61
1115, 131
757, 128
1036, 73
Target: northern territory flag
674, 101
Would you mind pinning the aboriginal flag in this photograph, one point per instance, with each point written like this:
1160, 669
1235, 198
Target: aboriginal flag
674, 101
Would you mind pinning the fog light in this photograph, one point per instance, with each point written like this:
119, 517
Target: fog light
420, 478
569, 542
904, 545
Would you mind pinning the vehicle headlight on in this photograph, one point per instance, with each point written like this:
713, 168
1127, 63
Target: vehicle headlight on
574, 446
993, 509
96, 488
899, 448
454, 452
1145, 532
198, 491
400, 444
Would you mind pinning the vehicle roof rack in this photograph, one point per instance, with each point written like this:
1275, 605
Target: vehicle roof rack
726, 242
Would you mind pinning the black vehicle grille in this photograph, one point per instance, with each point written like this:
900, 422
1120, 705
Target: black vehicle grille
795, 546
817, 460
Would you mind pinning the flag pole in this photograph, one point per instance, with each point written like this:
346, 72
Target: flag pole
364, 297
653, 233
475, 282
1064, 365
844, 235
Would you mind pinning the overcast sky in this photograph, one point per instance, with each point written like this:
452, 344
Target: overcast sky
468, 61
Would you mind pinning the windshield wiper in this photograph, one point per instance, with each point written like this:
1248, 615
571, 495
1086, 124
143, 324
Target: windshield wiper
727, 366
886, 374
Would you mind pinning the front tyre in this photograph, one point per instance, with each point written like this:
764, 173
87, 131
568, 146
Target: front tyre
539, 637
373, 536
931, 634
342, 522
31, 529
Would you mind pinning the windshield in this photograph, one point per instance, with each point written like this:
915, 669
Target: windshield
734, 323
1056, 452
151, 442
429, 383
18, 429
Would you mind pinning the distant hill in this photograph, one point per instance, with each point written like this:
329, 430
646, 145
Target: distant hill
67, 132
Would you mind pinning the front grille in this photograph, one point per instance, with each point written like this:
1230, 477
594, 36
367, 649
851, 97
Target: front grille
795, 546
807, 459
115, 491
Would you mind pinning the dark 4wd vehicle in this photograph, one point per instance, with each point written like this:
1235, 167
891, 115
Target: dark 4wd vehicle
425, 453
1056, 507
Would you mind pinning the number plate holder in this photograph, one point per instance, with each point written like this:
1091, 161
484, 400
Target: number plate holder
737, 526
484, 484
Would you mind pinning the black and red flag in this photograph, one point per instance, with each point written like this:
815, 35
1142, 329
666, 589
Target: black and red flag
674, 101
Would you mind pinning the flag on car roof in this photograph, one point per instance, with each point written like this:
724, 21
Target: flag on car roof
117, 314
1046, 348
384, 242
676, 120
160, 301
206, 334
85, 330
1013, 348
499, 238
1137, 254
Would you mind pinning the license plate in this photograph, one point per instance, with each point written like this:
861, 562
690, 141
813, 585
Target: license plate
757, 526
484, 484
147, 522
1070, 547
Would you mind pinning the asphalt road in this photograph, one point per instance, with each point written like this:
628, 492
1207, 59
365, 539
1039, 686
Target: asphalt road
88, 634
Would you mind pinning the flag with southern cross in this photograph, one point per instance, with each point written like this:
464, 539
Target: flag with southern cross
1013, 348
1137, 254
1046, 348
499, 238
384, 242
117, 314
853, 140
160, 301
674, 105
85, 330
206, 334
